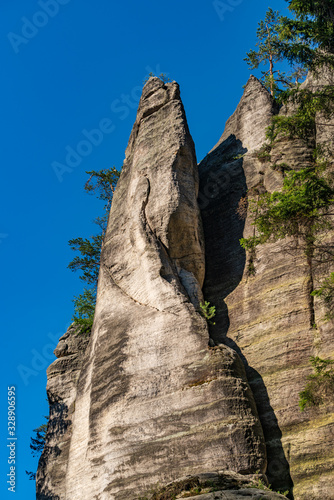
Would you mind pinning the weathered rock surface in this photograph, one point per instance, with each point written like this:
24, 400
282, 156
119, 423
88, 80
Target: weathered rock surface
148, 401
153, 401
226, 485
324, 125
263, 300
62, 376
253, 494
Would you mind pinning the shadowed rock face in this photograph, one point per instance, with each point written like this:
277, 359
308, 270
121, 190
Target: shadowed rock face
227, 173
264, 307
62, 376
153, 401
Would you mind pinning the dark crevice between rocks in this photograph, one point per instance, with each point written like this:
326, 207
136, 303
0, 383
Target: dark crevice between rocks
222, 186
310, 289
47, 495
278, 468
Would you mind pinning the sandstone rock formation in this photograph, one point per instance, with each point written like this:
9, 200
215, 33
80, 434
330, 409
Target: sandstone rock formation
219, 485
152, 402
264, 308
151, 398
62, 376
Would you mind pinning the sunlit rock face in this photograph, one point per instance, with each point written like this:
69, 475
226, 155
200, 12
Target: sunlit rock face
153, 401
264, 308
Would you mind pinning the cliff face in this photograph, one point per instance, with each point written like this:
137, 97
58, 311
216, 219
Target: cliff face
264, 308
153, 402
62, 376
155, 396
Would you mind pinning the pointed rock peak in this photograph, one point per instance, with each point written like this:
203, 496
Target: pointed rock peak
248, 123
146, 401
160, 181
254, 84
156, 94
152, 401
153, 83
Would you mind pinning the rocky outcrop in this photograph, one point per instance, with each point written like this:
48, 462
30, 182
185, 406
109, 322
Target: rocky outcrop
153, 401
224, 485
324, 124
62, 376
151, 398
263, 299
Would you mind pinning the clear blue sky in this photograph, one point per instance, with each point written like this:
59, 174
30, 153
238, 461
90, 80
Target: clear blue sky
68, 75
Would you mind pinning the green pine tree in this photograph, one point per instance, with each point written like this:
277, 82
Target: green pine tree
303, 209
308, 37
269, 53
102, 184
37, 443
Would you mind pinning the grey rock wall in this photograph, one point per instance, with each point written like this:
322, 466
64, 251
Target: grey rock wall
263, 301
153, 402
62, 377
147, 401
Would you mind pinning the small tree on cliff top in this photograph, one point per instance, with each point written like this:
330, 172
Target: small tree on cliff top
303, 208
269, 52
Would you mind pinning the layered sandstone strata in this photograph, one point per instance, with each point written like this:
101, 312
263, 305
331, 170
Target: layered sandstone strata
153, 400
265, 311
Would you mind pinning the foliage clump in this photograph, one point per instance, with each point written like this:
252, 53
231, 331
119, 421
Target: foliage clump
308, 37
102, 183
37, 443
300, 209
84, 309
326, 293
320, 386
263, 154
270, 51
208, 312
163, 77
89, 259
242, 207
